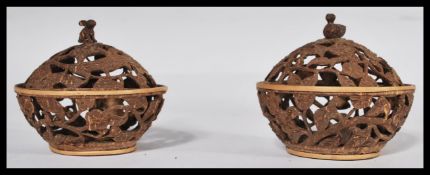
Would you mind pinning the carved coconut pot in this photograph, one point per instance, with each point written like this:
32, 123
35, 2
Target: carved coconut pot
334, 99
90, 99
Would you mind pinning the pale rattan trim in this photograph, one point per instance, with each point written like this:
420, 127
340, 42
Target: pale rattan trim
160, 89
335, 89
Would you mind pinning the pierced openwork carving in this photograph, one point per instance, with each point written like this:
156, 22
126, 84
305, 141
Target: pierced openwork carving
90, 99
333, 62
88, 124
335, 123
334, 99
91, 65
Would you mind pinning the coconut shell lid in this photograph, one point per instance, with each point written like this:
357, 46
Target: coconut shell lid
334, 61
90, 65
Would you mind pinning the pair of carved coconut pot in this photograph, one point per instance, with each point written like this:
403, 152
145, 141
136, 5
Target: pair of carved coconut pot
330, 99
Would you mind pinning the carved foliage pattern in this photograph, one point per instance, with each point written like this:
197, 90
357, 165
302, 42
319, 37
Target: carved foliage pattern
90, 65
84, 121
333, 62
335, 124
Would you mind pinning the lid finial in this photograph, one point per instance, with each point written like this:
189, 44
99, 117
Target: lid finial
87, 33
332, 30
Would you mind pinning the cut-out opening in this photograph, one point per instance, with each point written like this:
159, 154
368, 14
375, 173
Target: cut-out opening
319, 77
308, 58
373, 134
69, 60
327, 44
94, 57
328, 78
285, 101
56, 69
84, 113
99, 73
101, 103
338, 66
407, 100
303, 74
66, 102
130, 83
374, 77
131, 124
329, 55
118, 71
299, 122
133, 127
313, 108
89, 84
314, 128
334, 121
276, 78
142, 109
302, 138
79, 76
133, 73
78, 122
92, 133
322, 100
362, 125
59, 86
321, 67
64, 131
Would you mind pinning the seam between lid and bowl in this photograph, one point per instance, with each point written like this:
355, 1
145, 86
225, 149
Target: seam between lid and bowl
160, 89
263, 85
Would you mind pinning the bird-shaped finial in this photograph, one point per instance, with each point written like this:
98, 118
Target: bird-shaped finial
332, 30
87, 33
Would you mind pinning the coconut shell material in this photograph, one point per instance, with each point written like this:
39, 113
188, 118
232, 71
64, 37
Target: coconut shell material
90, 99
334, 99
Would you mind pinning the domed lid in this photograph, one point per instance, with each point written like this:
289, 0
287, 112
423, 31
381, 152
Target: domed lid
90, 65
333, 61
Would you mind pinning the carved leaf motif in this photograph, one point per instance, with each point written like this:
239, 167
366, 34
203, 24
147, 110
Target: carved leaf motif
321, 119
67, 139
303, 101
117, 115
382, 105
376, 64
26, 105
137, 102
50, 105
361, 101
345, 135
84, 103
328, 79
352, 69
96, 120
69, 79
273, 104
320, 61
292, 112
340, 102
345, 81
329, 141
115, 131
293, 79
361, 138
311, 80
107, 82
367, 81
392, 76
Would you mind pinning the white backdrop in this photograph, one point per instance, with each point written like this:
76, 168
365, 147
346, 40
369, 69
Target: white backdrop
210, 58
